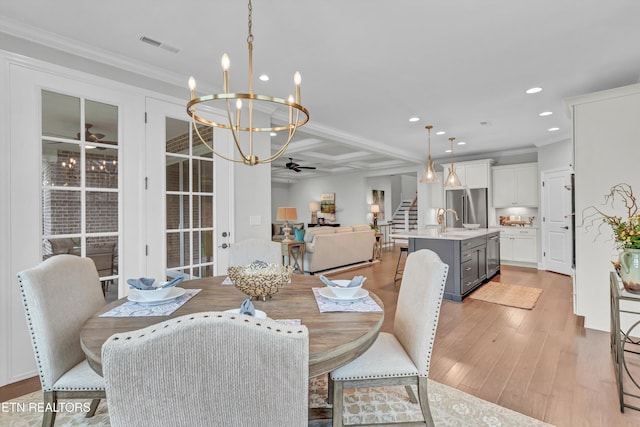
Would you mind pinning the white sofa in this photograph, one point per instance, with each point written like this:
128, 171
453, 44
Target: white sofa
331, 247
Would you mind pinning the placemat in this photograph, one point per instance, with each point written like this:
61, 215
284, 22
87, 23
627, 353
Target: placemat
134, 309
362, 305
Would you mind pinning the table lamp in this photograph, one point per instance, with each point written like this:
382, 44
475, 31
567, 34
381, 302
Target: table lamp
286, 214
375, 210
314, 207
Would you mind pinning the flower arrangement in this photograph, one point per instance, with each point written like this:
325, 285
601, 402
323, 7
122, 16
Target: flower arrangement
626, 231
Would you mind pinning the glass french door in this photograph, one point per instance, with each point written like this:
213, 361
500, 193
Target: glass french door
188, 191
80, 180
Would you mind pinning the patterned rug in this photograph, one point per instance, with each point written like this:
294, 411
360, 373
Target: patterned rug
510, 295
449, 407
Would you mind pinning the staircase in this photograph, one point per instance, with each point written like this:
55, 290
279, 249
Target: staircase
410, 206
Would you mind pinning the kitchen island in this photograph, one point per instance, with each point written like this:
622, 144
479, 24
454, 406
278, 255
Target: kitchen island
473, 256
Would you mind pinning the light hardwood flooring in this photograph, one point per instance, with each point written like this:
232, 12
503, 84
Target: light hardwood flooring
540, 362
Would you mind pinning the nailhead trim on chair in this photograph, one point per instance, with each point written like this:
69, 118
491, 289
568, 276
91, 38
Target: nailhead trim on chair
172, 322
33, 336
433, 334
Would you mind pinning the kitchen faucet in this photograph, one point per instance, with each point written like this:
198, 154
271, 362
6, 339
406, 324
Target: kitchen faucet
442, 220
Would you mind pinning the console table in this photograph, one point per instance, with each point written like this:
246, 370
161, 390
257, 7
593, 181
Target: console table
332, 224
625, 344
294, 251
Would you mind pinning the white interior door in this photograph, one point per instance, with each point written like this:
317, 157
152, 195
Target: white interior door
188, 195
556, 221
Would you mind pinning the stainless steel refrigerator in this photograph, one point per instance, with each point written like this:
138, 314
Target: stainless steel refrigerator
470, 204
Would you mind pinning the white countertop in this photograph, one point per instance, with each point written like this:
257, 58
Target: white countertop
450, 234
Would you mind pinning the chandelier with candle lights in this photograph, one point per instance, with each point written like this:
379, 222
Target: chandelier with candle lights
240, 120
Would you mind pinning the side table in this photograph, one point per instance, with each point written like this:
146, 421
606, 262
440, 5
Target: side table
294, 251
625, 344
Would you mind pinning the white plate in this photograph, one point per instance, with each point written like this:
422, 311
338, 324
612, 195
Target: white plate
175, 293
326, 292
259, 313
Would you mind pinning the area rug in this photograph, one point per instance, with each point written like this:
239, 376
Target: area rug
449, 407
505, 294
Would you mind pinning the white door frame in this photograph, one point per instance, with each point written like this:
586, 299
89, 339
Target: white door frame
24, 214
155, 180
544, 224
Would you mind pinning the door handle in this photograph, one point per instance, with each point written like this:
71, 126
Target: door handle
226, 234
566, 227
224, 246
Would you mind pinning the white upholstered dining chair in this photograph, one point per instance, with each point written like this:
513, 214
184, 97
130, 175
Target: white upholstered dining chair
401, 358
208, 369
247, 251
59, 295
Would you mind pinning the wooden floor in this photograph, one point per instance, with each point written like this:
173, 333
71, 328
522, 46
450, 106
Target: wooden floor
540, 362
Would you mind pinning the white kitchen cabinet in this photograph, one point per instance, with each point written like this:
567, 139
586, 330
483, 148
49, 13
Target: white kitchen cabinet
515, 185
475, 174
519, 245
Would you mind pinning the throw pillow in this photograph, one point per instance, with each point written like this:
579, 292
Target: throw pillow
299, 233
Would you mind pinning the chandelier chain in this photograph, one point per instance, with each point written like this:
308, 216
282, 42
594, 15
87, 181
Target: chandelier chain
250, 23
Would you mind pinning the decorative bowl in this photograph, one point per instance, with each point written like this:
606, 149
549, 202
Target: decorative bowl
260, 279
153, 294
341, 291
471, 226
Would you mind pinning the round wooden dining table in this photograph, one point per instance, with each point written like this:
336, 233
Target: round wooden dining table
335, 338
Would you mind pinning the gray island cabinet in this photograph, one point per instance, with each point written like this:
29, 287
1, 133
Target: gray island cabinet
473, 256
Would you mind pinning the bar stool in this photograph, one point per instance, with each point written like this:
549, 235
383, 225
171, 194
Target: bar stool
398, 275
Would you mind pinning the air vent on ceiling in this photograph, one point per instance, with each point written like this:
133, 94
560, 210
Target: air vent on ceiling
161, 45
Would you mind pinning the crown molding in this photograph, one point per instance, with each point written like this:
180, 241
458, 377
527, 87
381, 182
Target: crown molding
83, 50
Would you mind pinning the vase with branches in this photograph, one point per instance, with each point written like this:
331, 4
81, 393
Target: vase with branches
626, 232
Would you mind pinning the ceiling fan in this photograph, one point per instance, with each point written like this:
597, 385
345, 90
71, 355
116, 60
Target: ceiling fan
295, 166
90, 136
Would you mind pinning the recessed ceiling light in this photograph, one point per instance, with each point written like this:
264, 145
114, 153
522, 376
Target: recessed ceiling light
264, 78
273, 134
545, 113
447, 151
534, 90
461, 143
553, 129
440, 133
414, 119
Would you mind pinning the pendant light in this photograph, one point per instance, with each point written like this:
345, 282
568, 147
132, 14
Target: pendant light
429, 175
452, 179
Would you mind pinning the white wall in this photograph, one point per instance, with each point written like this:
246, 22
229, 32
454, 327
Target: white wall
280, 197
351, 197
555, 156
607, 149
396, 192
430, 198
252, 213
409, 186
